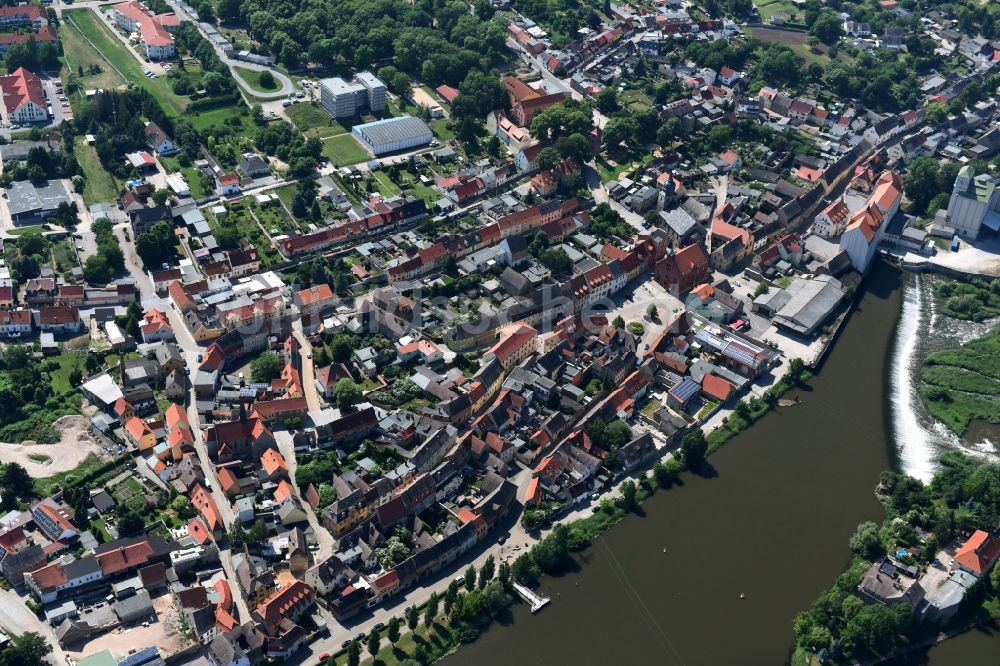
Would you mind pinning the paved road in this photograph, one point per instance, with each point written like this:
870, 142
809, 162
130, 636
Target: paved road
225, 557
190, 349
285, 85
16, 618
308, 372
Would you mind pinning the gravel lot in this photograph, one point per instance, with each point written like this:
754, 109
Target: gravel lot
73, 447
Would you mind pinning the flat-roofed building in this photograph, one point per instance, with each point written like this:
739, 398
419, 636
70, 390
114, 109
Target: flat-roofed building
393, 134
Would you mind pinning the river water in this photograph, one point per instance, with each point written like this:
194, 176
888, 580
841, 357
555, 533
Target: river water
770, 522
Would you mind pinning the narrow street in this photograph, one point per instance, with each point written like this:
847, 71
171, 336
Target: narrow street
308, 372
190, 349
16, 618
324, 539
225, 557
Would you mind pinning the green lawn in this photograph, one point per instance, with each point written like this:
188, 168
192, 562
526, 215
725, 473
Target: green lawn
385, 184
252, 76
191, 175
64, 256
344, 149
769, 9
206, 119
17, 231
115, 51
101, 186
78, 53
442, 132
313, 120
60, 377
421, 191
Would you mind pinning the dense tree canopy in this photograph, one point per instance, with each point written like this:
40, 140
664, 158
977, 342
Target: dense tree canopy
440, 42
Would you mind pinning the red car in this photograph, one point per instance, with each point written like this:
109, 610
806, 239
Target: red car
324, 656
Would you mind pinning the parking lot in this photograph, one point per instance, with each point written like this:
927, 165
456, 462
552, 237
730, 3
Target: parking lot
164, 632
58, 101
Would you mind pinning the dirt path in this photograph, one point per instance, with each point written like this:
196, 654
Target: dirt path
74, 445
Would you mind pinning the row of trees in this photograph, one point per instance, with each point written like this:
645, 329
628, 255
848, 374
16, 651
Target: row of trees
218, 79
469, 604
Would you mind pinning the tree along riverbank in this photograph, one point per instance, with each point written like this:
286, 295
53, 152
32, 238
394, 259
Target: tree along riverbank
920, 522
469, 613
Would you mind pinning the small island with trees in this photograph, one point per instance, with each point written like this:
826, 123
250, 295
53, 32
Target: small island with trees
927, 572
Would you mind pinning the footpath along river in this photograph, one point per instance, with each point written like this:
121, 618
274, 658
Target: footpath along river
771, 523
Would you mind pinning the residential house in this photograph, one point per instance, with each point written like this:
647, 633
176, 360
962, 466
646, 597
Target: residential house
158, 140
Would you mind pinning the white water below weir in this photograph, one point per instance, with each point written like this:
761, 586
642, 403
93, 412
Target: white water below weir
918, 437
913, 442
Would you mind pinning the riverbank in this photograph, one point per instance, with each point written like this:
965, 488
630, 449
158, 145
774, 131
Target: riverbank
925, 529
768, 518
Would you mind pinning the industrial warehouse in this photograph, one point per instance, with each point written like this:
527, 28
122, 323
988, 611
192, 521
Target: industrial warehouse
393, 134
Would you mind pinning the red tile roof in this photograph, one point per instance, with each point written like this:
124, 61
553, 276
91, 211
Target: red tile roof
227, 480
175, 416
315, 294
198, 531
137, 428
54, 315
283, 603
202, 499
283, 491
716, 387
50, 576
272, 462
124, 558
21, 87
513, 338
447, 93
979, 553
225, 593
387, 581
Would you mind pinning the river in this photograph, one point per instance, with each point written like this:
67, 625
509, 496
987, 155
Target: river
770, 522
